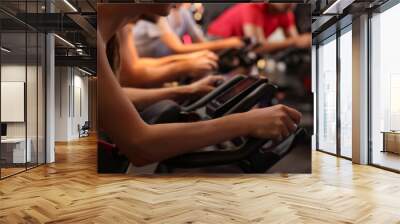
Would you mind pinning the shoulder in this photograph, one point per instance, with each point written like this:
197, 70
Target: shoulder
185, 12
251, 12
146, 29
143, 24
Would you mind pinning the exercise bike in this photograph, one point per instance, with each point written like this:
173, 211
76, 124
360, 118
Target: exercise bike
233, 58
239, 94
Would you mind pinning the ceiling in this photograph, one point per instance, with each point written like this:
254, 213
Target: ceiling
72, 20
330, 15
75, 21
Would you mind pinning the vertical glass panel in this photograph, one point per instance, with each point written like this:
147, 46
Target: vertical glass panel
14, 151
327, 96
41, 79
385, 84
32, 87
2, 160
32, 98
346, 94
314, 86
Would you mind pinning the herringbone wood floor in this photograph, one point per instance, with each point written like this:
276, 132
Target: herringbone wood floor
70, 191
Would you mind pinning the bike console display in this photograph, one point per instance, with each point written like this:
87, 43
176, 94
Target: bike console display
232, 96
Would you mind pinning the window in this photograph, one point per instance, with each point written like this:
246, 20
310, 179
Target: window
327, 96
346, 93
385, 89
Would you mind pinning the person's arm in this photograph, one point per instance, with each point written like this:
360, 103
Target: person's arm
143, 76
192, 28
136, 74
173, 42
291, 32
293, 39
270, 47
177, 58
163, 60
256, 32
299, 40
142, 98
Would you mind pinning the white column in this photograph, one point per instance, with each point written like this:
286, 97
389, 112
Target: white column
50, 98
360, 90
62, 103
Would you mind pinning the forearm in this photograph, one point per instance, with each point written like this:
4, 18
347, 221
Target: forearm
163, 60
270, 47
142, 76
210, 45
164, 141
142, 98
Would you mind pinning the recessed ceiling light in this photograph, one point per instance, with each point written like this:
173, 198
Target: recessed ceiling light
84, 71
65, 41
70, 5
337, 7
5, 50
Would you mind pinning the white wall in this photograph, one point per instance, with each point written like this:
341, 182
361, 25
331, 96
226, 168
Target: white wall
33, 127
81, 83
61, 103
71, 87
16, 73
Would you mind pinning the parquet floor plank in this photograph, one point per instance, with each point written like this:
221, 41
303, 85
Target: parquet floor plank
70, 191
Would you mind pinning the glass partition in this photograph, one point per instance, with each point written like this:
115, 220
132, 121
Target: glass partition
22, 77
15, 149
41, 97
326, 99
32, 96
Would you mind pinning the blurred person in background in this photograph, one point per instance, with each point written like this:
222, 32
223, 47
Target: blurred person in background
143, 79
259, 21
161, 36
211, 11
146, 72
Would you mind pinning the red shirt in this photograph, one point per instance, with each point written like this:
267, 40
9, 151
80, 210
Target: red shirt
231, 22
